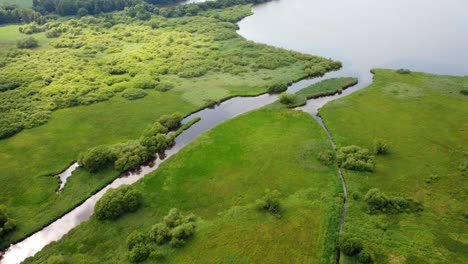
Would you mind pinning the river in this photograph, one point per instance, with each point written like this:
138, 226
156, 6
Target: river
428, 36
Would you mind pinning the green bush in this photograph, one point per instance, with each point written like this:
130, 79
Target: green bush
27, 43
403, 71
134, 239
156, 255
144, 81
116, 202
159, 233
355, 158
365, 256
133, 94
138, 253
7, 225
175, 228
129, 155
171, 121
287, 98
464, 92
270, 202
277, 88
350, 246
96, 158
326, 157
164, 86
377, 201
381, 147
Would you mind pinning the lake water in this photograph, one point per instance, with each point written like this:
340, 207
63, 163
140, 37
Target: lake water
429, 36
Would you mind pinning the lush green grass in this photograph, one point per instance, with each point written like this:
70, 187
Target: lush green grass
323, 88
425, 119
21, 3
54, 77
218, 177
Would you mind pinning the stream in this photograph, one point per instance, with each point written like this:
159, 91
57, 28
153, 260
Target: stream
421, 35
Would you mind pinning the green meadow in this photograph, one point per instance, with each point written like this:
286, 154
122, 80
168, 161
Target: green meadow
218, 177
424, 119
66, 95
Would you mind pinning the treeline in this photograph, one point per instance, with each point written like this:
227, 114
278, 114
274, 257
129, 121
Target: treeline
11, 13
84, 7
81, 7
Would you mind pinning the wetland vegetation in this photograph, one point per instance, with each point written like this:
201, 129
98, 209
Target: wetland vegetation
107, 84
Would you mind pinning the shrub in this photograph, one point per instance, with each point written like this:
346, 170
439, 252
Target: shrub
144, 81
377, 201
164, 86
138, 253
129, 155
133, 94
365, 256
134, 239
464, 92
116, 202
381, 147
156, 254
277, 88
287, 98
270, 202
403, 71
355, 158
326, 157
350, 246
27, 43
7, 224
159, 233
96, 158
171, 121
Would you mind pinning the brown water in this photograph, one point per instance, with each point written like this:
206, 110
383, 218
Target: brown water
429, 36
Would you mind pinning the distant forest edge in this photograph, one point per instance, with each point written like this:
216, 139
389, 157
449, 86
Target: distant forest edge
18, 13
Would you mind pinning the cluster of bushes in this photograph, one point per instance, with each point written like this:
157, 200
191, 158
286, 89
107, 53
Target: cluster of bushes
129, 155
27, 43
7, 225
379, 202
270, 202
116, 202
174, 230
134, 93
351, 246
355, 158
277, 88
73, 74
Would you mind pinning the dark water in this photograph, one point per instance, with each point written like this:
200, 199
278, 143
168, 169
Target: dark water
429, 36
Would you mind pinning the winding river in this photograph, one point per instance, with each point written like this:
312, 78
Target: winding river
428, 36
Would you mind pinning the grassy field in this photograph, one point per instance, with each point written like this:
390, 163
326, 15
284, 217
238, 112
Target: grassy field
425, 119
54, 77
218, 177
21, 3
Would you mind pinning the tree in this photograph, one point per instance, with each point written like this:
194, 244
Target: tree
138, 253
171, 121
365, 256
82, 12
116, 202
96, 158
134, 239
